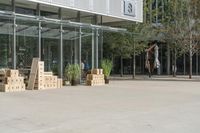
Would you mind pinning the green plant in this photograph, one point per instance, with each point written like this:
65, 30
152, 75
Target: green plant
72, 72
106, 66
55, 69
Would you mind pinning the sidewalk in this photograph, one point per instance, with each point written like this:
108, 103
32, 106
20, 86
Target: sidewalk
128, 106
157, 77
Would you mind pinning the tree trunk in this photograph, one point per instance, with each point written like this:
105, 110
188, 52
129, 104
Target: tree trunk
197, 63
168, 60
190, 73
184, 64
174, 66
134, 61
121, 63
190, 43
133, 58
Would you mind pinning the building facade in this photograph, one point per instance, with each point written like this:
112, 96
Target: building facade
59, 32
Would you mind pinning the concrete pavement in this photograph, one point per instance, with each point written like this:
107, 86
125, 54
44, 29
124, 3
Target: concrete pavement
121, 107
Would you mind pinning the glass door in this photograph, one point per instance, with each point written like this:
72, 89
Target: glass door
26, 42
70, 45
50, 43
87, 48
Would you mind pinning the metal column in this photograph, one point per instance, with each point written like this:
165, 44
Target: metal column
80, 41
97, 48
39, 39
39, 34
92, 48
101, 45
14, 44
61, 44
75, 49
80, 45
61, 51
14, 36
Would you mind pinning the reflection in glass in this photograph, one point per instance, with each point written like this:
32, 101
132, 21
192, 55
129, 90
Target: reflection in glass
5, 5
86, 50
50, 46
6, 39
27, 42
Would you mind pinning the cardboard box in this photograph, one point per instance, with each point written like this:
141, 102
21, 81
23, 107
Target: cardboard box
95, 71
23, 87
12, 73
60, 83
6, 88
48, 73
100, 71
95, 77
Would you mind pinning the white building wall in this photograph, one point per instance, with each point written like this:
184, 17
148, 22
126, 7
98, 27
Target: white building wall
112, 8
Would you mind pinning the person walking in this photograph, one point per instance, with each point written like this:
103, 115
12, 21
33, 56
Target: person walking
82, 69
149, 63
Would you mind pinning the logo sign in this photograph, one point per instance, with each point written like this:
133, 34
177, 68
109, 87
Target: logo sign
130, 7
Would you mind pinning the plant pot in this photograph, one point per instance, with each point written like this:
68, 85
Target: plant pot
106, 80
74, 83
67, 82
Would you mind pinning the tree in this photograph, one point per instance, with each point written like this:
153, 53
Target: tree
183, 28
118, 45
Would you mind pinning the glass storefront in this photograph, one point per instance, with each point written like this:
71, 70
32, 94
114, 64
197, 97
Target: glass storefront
6, 41
70, 45
46, 38
26, 42
5, 5
87, 46
48, 33
50, 41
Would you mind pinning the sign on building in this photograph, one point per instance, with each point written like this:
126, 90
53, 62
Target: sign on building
130, 8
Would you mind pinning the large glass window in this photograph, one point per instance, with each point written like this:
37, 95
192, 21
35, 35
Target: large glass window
25, 11
87, 45
50, 46
27, 8
6, 39
70, 45
88, 18
49, 12
5, 5
100, 47
27, 42
70, 15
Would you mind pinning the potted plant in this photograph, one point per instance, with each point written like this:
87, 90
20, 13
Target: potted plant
55, 69
107, 67
72, 73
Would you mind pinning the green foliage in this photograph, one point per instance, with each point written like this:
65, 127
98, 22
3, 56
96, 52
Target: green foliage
55, 69
119, 44
183, 25
106, 66
72, 72
178, 19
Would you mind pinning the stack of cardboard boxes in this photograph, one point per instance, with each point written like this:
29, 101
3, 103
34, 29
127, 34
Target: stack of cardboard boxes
51, 81
95, 78
39, 82
39, 79
10, 81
